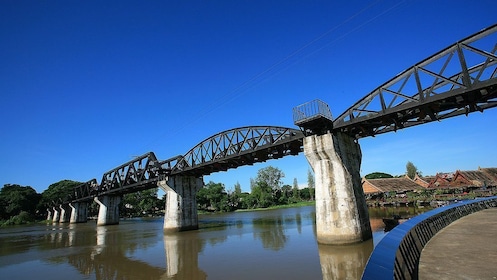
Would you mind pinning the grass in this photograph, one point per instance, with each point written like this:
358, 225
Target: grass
298, 204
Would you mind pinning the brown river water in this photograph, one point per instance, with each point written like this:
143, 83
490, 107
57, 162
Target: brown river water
272, 244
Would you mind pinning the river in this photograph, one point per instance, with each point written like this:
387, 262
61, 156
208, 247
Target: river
271, 244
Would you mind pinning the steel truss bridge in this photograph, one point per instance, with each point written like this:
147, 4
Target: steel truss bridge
458, 80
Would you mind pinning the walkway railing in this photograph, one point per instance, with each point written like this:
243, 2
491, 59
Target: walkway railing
397, 255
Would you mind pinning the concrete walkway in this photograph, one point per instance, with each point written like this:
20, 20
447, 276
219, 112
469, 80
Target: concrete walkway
466, 249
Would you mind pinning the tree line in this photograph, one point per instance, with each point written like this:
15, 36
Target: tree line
22, 204
266, 190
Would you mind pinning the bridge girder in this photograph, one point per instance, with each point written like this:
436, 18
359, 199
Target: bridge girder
141, 173
85, 190
439, 87
457, 80
237, 147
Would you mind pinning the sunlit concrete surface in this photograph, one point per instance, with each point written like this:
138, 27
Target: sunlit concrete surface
341, 210
466, 249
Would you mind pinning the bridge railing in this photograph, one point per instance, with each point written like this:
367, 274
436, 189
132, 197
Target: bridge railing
397, 255
313, 117
311, 110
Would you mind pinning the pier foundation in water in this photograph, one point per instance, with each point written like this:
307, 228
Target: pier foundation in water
108, 210
181, 202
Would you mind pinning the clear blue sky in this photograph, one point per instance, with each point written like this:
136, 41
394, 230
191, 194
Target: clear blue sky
87, 85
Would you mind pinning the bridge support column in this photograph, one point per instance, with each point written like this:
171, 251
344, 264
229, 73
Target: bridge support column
341, 211
181, 203
56, 215
108, 210
49, 214
79, 213
65, 213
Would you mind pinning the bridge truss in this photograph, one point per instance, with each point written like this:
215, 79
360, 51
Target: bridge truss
237, 147
457, 80
225, 150
141, 173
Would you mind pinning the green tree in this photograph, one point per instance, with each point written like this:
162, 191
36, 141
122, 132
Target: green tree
15, 198
234, 198
267, 186
286, 191
295, 191
252, 183
378, 175
271, 176
247, 201
141, 203
238, 189
411, 170
262, 195
310, 183
212, 197
305, 194
57, 193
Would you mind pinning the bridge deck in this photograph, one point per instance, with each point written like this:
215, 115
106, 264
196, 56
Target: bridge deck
466, 249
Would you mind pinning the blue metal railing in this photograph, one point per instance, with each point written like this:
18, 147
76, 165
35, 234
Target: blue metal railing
397, 255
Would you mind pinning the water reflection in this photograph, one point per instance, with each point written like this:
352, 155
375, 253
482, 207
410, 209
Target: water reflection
108, 257
247, 245
344, 262
270, 232
182, 257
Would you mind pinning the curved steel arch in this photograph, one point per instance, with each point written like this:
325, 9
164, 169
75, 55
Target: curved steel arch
237, 147
457, 80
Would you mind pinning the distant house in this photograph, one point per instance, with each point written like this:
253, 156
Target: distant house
492, 175
440, 181
423, 181
482, 178
479, 180
400, 186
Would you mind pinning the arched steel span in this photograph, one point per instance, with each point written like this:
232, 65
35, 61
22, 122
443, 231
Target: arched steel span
457, 80
236, 147
225, 150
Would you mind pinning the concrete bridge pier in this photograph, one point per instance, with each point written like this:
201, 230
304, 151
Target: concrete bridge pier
65, 213
49, 214
181, 203
341, 211
56, 215
108, 210
79, 213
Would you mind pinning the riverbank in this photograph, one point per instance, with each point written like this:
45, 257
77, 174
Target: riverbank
298, 204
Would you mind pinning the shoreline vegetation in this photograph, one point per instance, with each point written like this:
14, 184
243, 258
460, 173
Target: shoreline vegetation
25, 218
22, 205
